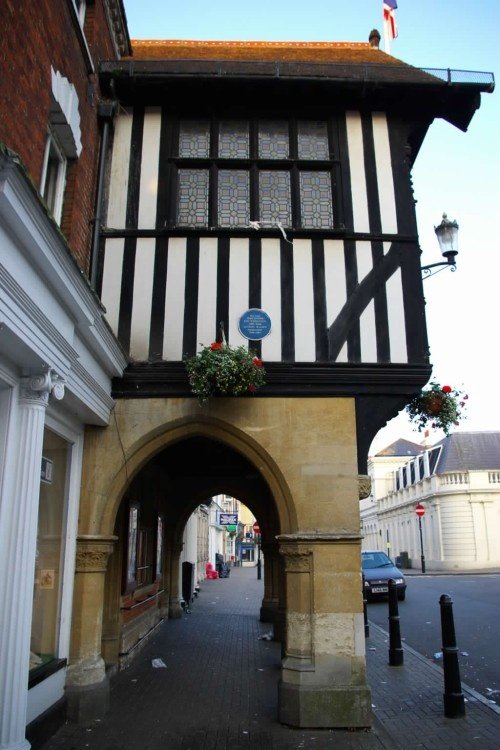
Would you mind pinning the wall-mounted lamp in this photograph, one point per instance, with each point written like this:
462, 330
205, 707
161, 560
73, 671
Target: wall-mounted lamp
447, 234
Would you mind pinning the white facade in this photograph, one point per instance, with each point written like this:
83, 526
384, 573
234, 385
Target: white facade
57, 358
461, 524
216, 532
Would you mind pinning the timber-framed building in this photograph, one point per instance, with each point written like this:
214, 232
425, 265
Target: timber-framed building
179, 186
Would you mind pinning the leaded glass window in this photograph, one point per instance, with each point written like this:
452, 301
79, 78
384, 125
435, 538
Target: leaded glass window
192, 205
275, 197
234, 197
273, 139
234, 139
313, 140
194, 138
316, 200
233, 171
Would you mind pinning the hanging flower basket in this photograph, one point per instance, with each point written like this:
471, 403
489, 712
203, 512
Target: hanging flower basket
439, 407
222, 370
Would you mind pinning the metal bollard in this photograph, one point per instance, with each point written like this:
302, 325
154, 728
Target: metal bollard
365, 609
396, 658
454, 703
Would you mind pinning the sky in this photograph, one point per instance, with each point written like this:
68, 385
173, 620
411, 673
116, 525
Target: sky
455, 172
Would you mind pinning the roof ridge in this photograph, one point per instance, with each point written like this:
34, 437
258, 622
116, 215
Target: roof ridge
243, 43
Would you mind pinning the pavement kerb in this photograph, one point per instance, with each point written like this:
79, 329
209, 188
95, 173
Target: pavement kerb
481, 572
430, 665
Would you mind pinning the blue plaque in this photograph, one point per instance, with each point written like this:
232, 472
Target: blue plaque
254, 324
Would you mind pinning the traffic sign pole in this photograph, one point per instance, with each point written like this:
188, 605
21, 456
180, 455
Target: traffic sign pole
420, 510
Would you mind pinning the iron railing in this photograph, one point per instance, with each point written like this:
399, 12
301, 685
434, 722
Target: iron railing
462, 76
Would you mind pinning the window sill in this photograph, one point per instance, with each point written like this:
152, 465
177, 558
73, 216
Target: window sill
45, 670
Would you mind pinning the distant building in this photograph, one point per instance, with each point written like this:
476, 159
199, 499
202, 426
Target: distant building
457, 480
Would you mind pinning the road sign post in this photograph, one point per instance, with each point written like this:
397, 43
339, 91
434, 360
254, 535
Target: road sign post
256, 531
420, 511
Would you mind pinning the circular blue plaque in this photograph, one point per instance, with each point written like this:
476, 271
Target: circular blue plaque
254, 324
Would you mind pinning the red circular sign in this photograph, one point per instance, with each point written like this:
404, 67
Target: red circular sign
420, 510
256, 528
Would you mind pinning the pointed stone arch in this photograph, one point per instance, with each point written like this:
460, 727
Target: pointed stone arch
133, 456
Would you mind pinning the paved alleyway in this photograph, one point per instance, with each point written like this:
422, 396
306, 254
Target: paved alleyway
218, 691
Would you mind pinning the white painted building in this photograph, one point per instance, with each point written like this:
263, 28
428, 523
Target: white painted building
457, 480
216, 532
57, 358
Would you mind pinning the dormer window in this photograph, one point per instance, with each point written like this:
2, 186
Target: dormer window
230, 172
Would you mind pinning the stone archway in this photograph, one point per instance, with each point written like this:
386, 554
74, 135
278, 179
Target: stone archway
166, 491
304, 450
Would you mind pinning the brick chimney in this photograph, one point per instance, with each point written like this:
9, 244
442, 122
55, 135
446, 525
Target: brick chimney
374, 38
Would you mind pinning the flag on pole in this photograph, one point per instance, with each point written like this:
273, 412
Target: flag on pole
390, 18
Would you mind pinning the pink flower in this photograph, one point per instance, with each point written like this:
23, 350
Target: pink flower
215, 345
252, 388
257, 362
446, 389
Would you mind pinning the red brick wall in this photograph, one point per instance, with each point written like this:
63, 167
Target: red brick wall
33, 37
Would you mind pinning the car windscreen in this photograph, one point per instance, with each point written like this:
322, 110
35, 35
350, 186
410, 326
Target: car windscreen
375, 560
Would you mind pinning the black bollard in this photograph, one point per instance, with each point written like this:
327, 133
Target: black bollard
365, 610
395, 649
454, 703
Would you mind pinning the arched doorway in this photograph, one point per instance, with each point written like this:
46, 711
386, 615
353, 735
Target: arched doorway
143, 574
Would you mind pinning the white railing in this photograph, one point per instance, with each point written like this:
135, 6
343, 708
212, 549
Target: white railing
456, 477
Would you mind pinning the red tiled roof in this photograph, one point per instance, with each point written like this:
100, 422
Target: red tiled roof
335, 52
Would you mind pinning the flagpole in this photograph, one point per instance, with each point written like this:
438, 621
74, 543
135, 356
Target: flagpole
387, 36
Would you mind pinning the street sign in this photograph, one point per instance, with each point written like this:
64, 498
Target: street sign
228, 519
256, 528
420, 510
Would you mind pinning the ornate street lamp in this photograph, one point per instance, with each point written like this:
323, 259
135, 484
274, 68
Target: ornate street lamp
447, 234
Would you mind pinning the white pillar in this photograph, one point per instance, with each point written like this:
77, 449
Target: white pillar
20, 520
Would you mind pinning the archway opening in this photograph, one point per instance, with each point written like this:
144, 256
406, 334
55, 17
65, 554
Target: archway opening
146, 579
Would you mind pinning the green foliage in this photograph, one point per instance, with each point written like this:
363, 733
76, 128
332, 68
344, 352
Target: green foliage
439, 407
221, 370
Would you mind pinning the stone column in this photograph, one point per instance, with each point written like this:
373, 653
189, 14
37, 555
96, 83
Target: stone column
323, 672
19, 522
269, 605
86, 683
174, 550
280, 616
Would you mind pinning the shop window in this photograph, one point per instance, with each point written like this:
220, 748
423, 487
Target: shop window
49, 551
230, 172
144, 557
132, 544
159, 547
144, 548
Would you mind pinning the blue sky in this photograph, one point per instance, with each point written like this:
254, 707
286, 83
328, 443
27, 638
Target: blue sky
455, 172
